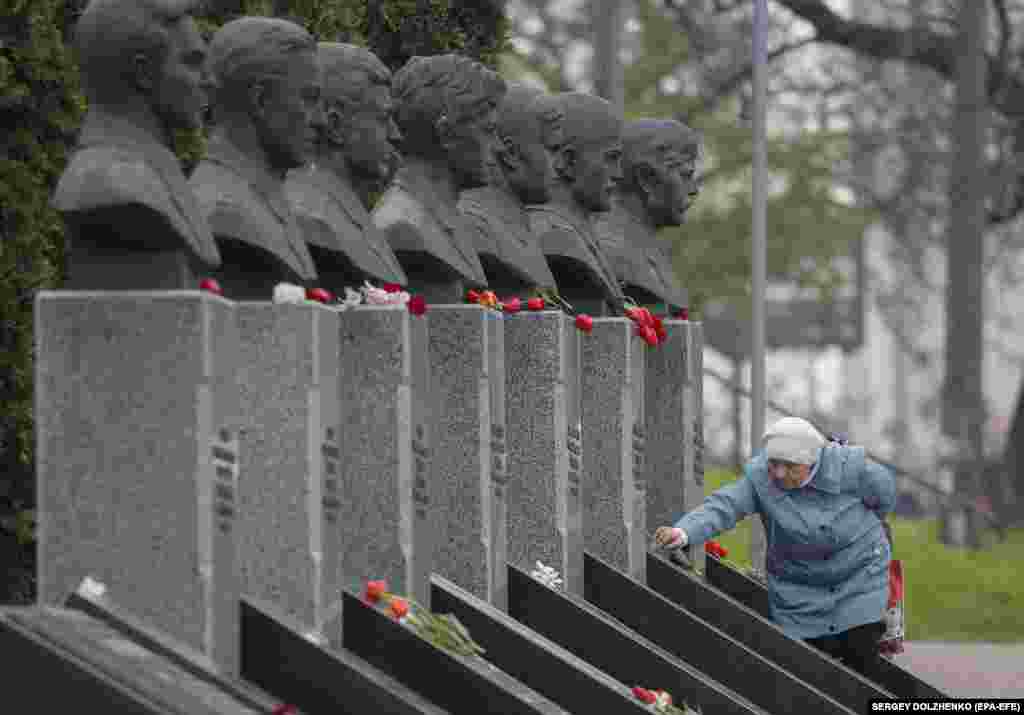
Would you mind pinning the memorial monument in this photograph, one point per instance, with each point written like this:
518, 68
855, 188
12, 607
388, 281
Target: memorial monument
268, 119
356, 156
446, 108
132, 221
588, 166
529, 135
659, 166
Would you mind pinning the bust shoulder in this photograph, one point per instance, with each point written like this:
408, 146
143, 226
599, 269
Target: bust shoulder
321, 218
408, 224
100, 177
231, 207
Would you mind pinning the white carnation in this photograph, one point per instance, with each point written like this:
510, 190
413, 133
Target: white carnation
289, 293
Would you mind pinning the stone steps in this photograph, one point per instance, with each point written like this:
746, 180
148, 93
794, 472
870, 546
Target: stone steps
585, 631
760, 635
898, 681
702, 645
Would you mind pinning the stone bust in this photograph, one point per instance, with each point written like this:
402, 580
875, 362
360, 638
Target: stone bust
446, 107
356, 154
132, 221
587, 168
268, 118
529, 133
660, 183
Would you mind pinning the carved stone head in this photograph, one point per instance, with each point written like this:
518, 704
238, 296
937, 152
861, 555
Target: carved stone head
590, 158
268, 80
529, 136
359, 111
446, 106
660, 168
138, 55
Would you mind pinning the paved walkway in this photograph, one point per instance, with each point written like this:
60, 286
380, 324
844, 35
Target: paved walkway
968, 670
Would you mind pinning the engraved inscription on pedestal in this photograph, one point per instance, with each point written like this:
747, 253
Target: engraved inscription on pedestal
331, 455
420, 487
225, 465
574, 444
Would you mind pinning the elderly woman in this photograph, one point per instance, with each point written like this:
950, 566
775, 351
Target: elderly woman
822, 505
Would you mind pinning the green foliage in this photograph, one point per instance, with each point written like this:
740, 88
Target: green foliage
952, 594
399, 29
40, 107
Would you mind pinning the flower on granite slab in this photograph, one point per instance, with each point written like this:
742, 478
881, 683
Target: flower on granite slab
91, 588
399, 608
375, 591
289, 293
715, 549
417, 305
444, 630
285, 709
660, 702
584, 323
210, 286
380, 296
547, 576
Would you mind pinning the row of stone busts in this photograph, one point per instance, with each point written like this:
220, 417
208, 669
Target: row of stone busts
498, 186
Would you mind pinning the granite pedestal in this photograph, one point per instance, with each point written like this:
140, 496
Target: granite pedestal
544, 441
614, 491
673, 469
467, 483
288, 377
378, 509
137, 419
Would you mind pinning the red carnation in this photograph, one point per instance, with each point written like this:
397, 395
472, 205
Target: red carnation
472, 296
644, 695
392, 288
399, 607
417, 305
585, 323
659, 330
512, 305
285, 710
210, 286
535, 304
647, 334
375, 590
320, 295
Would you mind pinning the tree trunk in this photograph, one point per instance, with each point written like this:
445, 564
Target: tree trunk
962, 400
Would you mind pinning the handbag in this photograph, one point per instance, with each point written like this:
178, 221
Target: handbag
891, 642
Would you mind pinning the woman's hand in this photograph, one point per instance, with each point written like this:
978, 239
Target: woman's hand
669, 537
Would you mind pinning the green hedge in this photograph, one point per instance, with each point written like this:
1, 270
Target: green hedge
40, 97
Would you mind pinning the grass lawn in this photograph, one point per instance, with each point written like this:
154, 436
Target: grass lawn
952, 594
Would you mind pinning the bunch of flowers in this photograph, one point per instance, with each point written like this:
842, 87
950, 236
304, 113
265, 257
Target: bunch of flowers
445, 631
368, 294
649, 327
547, 576
513, 304
660, 701
715, 549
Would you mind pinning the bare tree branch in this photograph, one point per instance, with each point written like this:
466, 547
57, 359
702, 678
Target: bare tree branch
913, 44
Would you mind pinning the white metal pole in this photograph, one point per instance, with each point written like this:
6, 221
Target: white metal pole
759, 203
